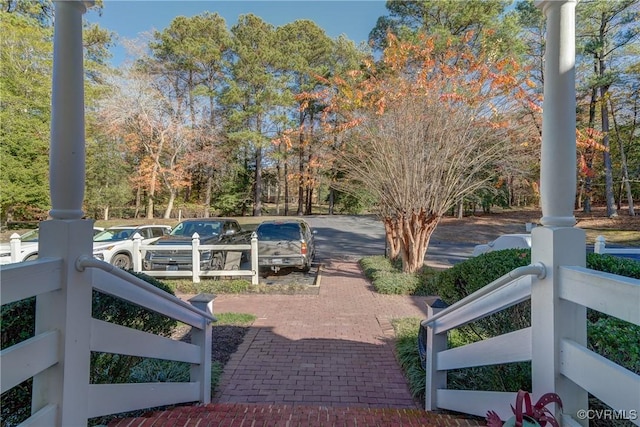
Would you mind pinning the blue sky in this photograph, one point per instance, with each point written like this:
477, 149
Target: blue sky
129, 18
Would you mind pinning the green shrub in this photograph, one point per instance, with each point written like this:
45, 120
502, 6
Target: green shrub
395, 283
615, 265
465, 278
160, 371
616, 340
406, 332
115, 368
387, 277
372, 264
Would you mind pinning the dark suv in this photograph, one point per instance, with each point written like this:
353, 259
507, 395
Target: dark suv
287, 243
211, 231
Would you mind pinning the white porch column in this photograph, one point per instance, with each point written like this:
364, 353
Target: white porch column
558, 243
558, 157
66, 157
67, 235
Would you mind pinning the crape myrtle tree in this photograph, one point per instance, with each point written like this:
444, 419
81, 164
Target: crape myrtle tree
424, 130
495, 27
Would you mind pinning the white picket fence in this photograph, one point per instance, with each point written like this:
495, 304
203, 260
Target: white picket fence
139, 249
195, 248
601, 248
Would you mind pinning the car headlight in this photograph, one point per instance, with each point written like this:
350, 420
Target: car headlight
99, 255
205, 255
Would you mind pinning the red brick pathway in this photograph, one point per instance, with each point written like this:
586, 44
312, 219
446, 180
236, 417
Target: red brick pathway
308, 360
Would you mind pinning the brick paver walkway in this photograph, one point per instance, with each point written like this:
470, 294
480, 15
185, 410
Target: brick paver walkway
314, 360
328, 349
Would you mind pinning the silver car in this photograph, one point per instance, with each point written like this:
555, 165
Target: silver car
115, 244
285, 243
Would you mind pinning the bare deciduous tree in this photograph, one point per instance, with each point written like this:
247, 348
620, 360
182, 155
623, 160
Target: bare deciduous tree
418, 159
426, 128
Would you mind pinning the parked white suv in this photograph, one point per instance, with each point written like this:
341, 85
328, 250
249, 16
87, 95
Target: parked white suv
115, 244
28, 246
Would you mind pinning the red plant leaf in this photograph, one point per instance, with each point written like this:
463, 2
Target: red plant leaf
493, 420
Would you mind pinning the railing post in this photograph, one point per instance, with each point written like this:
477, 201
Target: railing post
435, 343
136, 255
202, 338
15, 245
195, 257
254, 258
558, 242
68, 311
600, 245
554, 319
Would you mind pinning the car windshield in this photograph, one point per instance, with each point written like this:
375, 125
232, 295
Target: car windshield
271, 232
203, 228
114, 234
30, 236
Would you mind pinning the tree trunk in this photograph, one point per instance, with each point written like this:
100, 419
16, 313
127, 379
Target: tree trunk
172, 199
309, 201
332, 193
589, 151
257, 202
413, 232
138, 201
286, 188
301, 180
278, 180
393, 238
207, 195
105, 212
623, 159
608, 172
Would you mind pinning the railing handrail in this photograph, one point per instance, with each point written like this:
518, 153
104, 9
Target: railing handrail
537, 269
85, 261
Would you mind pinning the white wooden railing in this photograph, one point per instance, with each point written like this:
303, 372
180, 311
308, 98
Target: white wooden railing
58, 355
612, 384
600, 247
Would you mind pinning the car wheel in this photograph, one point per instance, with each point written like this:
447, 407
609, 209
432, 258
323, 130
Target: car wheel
121, 261
31, 257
